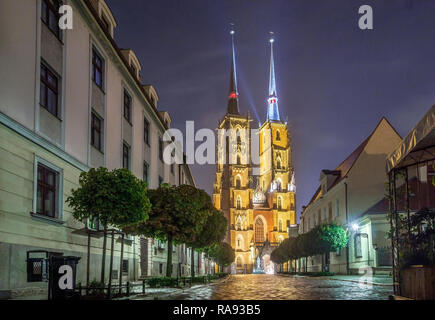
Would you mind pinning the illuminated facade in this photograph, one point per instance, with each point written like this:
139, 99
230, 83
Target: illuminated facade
258, 201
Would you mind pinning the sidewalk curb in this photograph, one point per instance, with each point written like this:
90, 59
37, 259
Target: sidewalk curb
131, 297
348, 280
363, 282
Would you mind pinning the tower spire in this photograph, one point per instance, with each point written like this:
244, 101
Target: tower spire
272, 100
233, 98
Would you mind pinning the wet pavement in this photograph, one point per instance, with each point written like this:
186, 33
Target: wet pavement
275, 287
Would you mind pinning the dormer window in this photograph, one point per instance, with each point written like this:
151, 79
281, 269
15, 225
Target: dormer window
106, 24
107, 21
133, 68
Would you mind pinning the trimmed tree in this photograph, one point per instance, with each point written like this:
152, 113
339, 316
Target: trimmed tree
176, 214
223, 254
213, 231
279, 255
115, 198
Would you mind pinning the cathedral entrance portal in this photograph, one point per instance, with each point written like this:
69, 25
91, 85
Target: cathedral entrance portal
268, 265
263, 264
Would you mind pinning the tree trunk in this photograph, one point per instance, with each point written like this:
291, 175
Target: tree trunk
199, 263
120, 264
103, 262
169, 259
192, 263
88, 262
109, 289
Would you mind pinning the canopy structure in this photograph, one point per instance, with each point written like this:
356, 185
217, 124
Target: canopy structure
418, 146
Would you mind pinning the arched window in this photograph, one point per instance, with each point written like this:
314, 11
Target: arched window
259, 231
239, 225
278, 136
280, 226
278, 163
238, 182
239, 243
279, 203
278, 184
239, 203
239, 161
239, 262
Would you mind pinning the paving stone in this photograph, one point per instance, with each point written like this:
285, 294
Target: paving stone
274, 287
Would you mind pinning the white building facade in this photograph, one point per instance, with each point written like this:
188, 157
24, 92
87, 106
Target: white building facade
353, 195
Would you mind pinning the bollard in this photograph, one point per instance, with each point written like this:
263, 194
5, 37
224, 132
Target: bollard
128, 288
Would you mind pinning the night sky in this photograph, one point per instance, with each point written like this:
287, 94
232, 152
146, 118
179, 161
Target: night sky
334, 81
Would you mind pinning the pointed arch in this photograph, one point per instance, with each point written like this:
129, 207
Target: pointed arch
277, 135
239, 261
239, 203
278, 184
240, 242
279, 202
238, 181
260, 228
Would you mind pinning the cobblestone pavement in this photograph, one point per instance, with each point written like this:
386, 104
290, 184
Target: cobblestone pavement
274, 287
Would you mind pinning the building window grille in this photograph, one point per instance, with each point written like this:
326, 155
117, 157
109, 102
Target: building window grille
259, 231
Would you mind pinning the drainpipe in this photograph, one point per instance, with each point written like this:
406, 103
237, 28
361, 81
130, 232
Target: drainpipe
347, 223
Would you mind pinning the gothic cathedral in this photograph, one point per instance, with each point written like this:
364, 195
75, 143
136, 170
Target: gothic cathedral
254, 186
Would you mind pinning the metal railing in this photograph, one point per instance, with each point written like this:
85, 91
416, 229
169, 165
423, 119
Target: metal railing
128, 288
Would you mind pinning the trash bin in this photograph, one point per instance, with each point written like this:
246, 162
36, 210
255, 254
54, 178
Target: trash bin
62, 278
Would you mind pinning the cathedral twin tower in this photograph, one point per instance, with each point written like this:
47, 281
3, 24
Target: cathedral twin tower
258, 199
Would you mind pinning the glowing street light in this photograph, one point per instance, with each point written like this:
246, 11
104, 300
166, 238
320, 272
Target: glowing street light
355, 227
